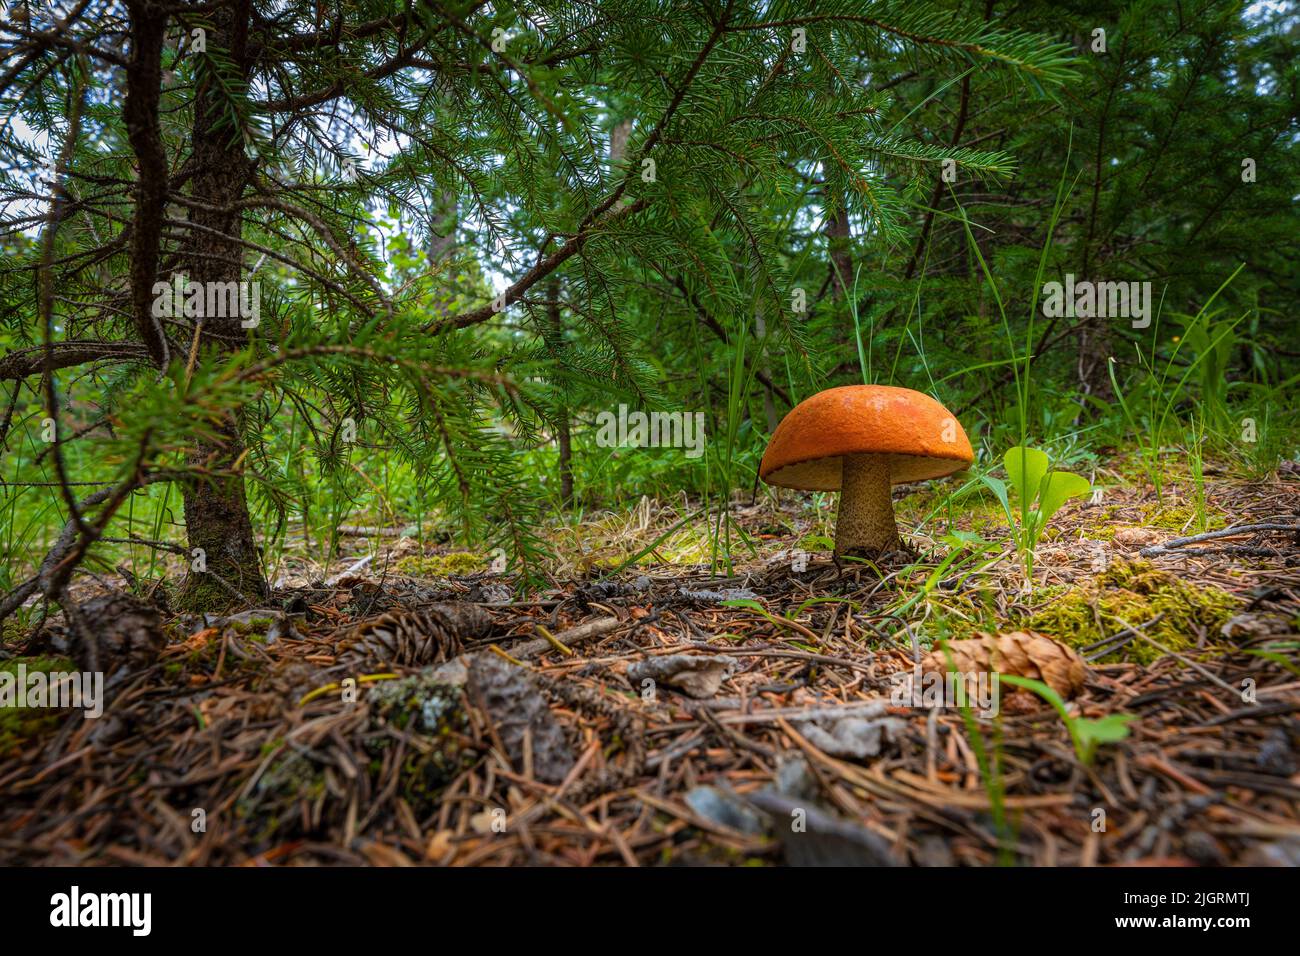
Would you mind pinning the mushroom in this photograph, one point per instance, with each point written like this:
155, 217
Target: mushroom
859, 440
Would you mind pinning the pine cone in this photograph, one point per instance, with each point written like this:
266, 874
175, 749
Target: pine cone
420, 636
1019, 653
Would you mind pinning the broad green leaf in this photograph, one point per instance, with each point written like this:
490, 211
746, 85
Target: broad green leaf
1089, 734
1026, 467
966, 539
1059, 487
999, 488
1104, 731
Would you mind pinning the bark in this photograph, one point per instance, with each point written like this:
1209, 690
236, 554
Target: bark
446, 216
562, 432
618, 142
216, 509
838, 239
442, 244
140, 111
21, 363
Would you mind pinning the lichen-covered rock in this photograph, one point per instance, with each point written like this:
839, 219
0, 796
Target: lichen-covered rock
519, 712
413, 728
435, 724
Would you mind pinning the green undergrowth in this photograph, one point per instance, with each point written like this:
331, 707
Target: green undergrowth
1131, 593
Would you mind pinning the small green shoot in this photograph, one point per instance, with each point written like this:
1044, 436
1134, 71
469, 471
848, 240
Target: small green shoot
1040, 493
1086, 734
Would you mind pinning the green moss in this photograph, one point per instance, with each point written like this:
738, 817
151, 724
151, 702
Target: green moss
1050, 592
202, 593
443, 565
12, 631
21, 724
814, 543
976, 510
288, 781
1182, 519
607, 563
914, 504
253, 627
1130, 593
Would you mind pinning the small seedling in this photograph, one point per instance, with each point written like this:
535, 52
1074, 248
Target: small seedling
1086, 734
1040, 493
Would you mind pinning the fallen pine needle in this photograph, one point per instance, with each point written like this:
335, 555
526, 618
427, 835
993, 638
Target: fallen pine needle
322, 691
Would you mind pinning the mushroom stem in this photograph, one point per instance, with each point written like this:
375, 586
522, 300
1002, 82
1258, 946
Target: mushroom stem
865, 525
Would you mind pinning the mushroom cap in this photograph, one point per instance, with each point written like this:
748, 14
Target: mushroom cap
921, 437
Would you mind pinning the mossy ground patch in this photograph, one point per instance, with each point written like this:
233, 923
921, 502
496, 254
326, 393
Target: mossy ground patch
1129, 594
443, 565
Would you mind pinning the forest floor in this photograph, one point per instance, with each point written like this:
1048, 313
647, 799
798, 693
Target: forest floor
751, 717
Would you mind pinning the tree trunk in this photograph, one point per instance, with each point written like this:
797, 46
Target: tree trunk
555, 332
1094, 351
446, 217
216, 509
618, 141
769, 403
839, 242
566, 461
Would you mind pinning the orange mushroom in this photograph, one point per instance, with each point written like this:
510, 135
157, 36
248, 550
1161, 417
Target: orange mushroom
859, 440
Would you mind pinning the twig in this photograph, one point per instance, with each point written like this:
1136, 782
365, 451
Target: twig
1235, 691
1156, 549
574, 635
1113, 642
